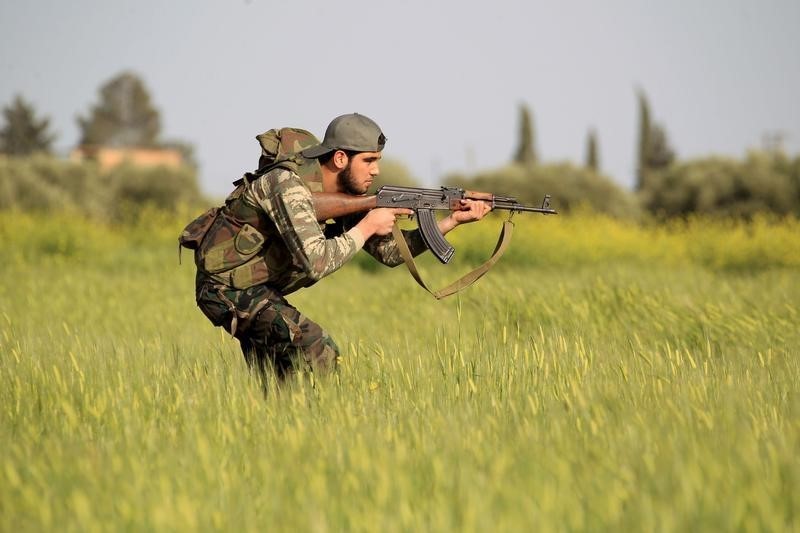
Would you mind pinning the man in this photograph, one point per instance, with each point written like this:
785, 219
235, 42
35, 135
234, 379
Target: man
269, 223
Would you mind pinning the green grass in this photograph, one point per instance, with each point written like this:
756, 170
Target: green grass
602, 377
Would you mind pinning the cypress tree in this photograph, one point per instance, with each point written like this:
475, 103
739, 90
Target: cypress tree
644, 139
526, 152
592, 157
654, 151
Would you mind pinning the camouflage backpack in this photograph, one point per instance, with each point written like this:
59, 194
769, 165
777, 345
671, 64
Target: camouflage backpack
228, 245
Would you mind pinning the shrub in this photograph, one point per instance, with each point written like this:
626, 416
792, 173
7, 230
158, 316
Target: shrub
393, 172
762, 183
162, 188
45, 184
569, 186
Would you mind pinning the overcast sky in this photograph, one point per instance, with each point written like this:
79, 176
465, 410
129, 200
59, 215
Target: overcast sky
444, 79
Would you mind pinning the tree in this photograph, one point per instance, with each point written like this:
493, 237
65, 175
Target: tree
571, 186
644, 139
592, 158
124, 116
394, 172
23, 133
654, 152
526, 151
660, 155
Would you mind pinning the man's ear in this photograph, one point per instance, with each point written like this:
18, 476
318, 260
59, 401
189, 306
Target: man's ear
339, 159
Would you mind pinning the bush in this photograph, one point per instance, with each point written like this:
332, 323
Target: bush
394, 172
45, 184
158, 187
42, 183
569, 186
762, 183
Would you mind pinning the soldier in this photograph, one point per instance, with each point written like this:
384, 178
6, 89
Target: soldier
265, 242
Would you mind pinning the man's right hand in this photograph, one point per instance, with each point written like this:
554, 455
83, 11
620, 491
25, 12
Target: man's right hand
380, 221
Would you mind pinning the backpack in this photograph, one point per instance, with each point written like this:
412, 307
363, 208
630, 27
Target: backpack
225, 246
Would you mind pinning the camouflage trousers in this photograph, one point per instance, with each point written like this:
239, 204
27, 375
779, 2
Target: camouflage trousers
272, 333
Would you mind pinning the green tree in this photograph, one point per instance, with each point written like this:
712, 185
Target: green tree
722, 186
23, 133
571, 187
394, 172
654, 152
525, 154
124, 116
644, 138
592, 157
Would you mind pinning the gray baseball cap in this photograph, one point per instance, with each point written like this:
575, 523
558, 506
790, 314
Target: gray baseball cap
349, 132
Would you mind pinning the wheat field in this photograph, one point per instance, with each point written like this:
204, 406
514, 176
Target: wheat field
604, 376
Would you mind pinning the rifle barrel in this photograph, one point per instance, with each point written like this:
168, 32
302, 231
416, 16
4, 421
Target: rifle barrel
516, 207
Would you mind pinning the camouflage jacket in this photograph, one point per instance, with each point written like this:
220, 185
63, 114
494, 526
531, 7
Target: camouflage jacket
297, 250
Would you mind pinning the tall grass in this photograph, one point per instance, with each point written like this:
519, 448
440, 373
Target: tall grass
603, 377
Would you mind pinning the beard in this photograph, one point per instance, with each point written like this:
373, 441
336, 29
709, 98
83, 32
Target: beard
347, 183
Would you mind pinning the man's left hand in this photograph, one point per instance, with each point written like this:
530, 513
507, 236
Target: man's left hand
471, 210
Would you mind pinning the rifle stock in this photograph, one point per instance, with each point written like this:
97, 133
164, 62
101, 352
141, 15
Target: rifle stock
328, 205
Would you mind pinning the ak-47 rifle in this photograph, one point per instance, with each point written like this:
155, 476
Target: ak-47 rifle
423, 202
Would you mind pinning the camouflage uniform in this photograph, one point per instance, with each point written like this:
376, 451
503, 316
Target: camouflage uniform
274, 215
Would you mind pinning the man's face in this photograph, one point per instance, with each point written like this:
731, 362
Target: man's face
359, 173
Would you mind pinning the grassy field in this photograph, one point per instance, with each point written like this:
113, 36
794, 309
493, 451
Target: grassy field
604, 376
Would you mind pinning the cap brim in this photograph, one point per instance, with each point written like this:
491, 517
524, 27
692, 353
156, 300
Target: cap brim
315, 151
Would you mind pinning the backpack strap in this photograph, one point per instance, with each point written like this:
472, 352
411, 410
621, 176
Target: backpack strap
467, 279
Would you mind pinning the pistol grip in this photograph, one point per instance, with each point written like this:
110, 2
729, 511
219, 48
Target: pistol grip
434, 240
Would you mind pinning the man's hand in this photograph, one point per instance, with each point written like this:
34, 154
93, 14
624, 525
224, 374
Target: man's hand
380, 221
471, 211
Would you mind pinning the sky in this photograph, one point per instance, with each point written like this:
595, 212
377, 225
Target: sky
444, 79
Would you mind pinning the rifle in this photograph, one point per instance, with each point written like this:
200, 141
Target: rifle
423, 202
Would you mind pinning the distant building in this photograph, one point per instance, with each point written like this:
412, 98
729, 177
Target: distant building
108, 157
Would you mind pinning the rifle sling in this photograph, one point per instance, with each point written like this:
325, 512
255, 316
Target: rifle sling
467, 279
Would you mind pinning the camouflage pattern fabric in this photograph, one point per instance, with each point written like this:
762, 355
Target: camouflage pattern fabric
229, 245
272, 333
266, 243
305, 251
291, 253
383, 248
297, 254
285, 144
